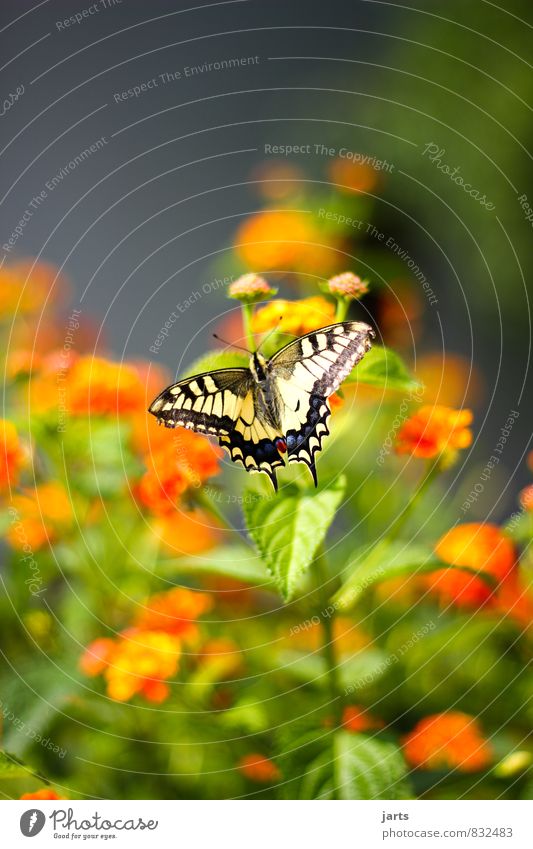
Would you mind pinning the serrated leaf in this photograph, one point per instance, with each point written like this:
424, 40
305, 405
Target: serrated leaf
367, 768
288, 528
392, 560
384, 368
215, 360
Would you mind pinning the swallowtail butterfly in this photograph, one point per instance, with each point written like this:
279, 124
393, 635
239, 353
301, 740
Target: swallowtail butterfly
274, 407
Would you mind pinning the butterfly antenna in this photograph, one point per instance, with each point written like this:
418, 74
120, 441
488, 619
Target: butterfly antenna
269, 334
230, 344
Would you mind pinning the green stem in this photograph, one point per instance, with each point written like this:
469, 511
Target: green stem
247, 315
342, 309
430, 473
328, 643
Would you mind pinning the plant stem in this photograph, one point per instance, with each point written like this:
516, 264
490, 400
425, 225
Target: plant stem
430, 473
247, 314
342, 309
328, 644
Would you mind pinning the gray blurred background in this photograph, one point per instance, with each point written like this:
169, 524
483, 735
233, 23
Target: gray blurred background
150, 216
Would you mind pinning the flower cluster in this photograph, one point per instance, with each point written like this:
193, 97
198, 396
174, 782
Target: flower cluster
145, 656
451, 740
435, 432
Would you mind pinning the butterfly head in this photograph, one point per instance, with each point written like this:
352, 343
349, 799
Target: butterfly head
258, 366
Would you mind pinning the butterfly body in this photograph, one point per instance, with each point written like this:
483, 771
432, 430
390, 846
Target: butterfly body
274, 407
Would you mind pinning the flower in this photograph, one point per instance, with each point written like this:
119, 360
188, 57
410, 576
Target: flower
43, 515
99, 387
447, 741
514, 598
25, 287
435, 432
220, 659
297, 317
137, 663
274, 240
346, 285
277, 180
481, 547
259, 768
355, 718
174, 612
526, 498
250, 288
12, 455
45, 793
354, 176
449, 379
184, 462
186, 532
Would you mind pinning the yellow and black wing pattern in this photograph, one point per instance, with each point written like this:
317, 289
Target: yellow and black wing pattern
285, 410
305, 373
224, 403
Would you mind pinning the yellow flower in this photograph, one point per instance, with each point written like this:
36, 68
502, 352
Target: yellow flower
297, 317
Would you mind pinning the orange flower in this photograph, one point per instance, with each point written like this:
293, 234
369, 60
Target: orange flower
447, 741
355, 718
514, 599
449, 379
25, 290
99, 387
481, 547
185, 532
45, 793
174, 612
185, 461
12, 455
220, 658
138, 662
42, 516
96, 656
435, 432
297, 317
259, 768
526, 498
354, 176
22, 362
274, 240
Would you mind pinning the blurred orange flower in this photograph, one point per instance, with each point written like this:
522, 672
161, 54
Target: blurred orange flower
355, 718
481, 547
277, 179
45, 793
100, 387
222, 657
449, 379
259, 768
43, 515
274, 239
185, 461
24, 290
447, 741
435, 432
297, 317
354, 176
175, 612
138, 662
514, 598
526, 498
12, 455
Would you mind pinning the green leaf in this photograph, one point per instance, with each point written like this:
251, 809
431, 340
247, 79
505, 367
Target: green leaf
288, 528
384, 368
215, 360
12, 767
392, 560
368, 768
233, 561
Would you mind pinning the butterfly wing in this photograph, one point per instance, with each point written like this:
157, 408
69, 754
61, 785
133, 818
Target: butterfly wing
224, 403
305, 373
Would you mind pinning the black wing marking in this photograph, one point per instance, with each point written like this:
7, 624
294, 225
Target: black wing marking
208, 403
223, 403
305, 373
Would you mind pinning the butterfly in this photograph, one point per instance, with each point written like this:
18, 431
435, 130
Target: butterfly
274, 407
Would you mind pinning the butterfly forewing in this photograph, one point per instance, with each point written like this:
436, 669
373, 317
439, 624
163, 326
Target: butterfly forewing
305, 373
